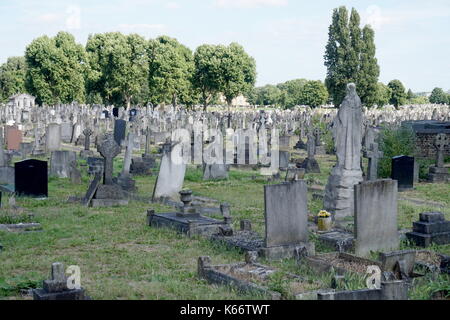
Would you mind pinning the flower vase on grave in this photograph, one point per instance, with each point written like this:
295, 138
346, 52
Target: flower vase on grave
324, 221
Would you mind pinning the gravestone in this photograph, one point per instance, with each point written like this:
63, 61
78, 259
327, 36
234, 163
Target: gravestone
284, 159
376, 216
115, 112
31, 178
347, 134
215, 171
75, 174
7, 175
310, 164
95, 165
431, 228
66, 132
403, 172
60, 163
373, 154
56, 288
119, 130
53, 137
439, 173
13, 138
93, 186
286, 219
171, 175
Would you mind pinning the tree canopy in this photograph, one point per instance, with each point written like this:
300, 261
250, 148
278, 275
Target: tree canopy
12, 77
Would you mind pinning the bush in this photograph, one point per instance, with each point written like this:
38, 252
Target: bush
394, 142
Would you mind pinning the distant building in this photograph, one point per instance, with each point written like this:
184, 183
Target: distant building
22, 100
238, 101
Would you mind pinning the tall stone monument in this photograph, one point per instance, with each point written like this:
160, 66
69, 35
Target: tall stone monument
347, 134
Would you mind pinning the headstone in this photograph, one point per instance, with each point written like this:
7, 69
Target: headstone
60, 163
347, 134
171, 175
403, 172
373, 154
66, 132
75, 174
115, 112
310, 164
109, 149
13, 138
215, 171
432, 227
119, 130
376, 216
53, 137
56, 288
286, 214
93, 186
439, 173
31, 178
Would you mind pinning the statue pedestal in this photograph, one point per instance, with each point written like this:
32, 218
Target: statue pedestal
339, 192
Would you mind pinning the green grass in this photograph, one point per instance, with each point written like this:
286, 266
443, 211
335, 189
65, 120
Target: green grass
122, 258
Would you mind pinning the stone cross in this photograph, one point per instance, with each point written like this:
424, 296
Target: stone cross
108, 149
373, 154
440, 142
317, 137
87, 138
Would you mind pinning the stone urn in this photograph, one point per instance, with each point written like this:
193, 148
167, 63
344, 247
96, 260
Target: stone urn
186, 197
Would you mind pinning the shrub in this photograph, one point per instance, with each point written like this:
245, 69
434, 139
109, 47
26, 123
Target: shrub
394, 141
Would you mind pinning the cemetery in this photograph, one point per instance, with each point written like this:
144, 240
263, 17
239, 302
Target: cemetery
179, 200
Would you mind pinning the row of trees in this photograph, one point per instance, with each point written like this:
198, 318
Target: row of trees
290, 93
125, 69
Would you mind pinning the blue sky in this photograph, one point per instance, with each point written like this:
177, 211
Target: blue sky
286, 37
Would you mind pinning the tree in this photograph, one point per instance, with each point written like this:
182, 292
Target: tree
12, 77
410, 95
438, 96
206, 77
119, 66
171, 68
291, 92
223, 69
237, 72
383, 94
350, 57
56, 69
367, 80
269, 95
398, 93
314, 94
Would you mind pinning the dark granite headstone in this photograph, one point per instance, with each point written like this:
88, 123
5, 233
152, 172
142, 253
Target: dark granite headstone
119, 130
115, 112
92, 189
403, 172
31, 178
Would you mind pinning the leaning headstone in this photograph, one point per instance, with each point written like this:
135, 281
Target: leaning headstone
347, 134
31, 178
60, 163
376, 216
56, 288
171, 175
403, 172
286, 219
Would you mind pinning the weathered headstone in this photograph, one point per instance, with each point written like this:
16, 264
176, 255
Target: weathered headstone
373, 154
60, 163
13, 138
53, 137
119, 130
439, 173
376, 216
215, 171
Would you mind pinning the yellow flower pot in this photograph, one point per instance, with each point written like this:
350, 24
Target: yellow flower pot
324, 223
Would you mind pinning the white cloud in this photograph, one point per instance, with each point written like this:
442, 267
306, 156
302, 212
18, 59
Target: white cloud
173, 5
73, 21
250, 3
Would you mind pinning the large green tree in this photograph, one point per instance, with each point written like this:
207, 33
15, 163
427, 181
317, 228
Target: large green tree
398, 93
12, 77
350, 57
118, 66
56, 69
313, 94
171, 69
291, 92
383, 94
237, 72
438, 96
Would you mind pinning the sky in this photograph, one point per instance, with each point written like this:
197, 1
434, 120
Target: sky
287, 38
